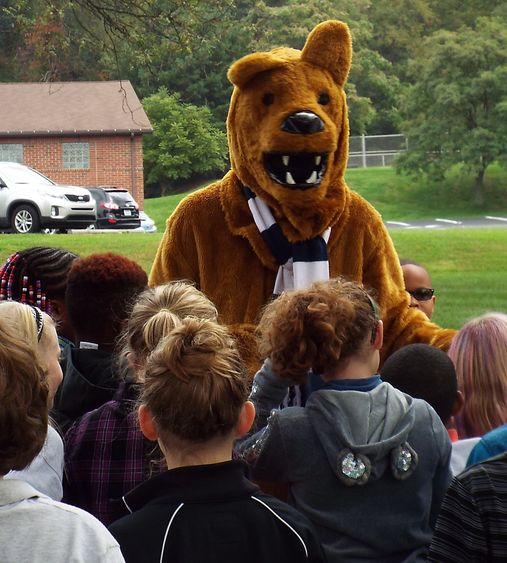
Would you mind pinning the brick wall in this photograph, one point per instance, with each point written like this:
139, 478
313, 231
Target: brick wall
114, 161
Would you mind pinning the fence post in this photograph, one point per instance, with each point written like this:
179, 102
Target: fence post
363, 149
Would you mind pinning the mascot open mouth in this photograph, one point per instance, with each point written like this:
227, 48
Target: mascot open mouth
296, 170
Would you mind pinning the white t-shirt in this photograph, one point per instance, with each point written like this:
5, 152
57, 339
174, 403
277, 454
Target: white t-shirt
37, 529
460, 452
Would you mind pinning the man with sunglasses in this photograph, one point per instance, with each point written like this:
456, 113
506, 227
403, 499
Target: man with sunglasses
418, 285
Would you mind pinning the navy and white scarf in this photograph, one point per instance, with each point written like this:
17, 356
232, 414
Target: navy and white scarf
300, 263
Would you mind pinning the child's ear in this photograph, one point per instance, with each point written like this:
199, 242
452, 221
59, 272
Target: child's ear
458, 404
379, 335
147, 424
246, 418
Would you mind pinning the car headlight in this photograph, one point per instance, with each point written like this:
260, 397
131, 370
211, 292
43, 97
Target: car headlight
53, 195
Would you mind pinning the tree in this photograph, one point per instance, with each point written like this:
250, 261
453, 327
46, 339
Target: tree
185, 141
66, 39
456, 111
372, 88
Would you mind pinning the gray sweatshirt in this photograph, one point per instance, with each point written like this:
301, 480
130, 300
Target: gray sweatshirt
369, 469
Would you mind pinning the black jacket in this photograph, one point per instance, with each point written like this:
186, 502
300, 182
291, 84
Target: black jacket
212, 513
90, 379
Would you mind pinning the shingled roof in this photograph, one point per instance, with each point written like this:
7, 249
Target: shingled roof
59, 108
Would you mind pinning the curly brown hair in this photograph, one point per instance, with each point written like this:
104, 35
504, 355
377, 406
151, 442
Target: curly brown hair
23, 389
195, 382
317, 328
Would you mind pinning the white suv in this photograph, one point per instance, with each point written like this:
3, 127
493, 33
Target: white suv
30, 202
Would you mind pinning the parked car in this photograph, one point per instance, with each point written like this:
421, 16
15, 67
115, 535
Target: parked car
116, 208
30, 202
147, 223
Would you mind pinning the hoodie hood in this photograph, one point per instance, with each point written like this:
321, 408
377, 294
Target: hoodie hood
90, 380
359, 429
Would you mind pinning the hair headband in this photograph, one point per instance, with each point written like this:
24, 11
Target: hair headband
39, 320
376, 315
374, 306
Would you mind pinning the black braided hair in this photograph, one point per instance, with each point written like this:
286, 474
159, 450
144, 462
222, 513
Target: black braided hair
35, 275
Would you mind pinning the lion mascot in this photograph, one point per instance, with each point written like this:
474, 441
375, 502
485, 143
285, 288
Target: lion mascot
283, 217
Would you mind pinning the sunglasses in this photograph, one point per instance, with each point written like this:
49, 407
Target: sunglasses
422, 293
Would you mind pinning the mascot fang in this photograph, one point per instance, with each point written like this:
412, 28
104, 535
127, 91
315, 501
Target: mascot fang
283, 216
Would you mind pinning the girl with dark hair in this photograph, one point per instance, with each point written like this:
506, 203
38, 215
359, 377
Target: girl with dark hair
101, 290
366, 463
38, 276
203, 508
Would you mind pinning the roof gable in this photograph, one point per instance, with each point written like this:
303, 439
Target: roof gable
35, 108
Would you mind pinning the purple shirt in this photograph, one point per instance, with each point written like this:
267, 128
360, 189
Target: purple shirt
106, 456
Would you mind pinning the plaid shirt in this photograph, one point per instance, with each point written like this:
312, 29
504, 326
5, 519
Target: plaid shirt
106, 456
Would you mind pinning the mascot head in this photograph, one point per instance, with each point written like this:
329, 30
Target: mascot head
288, 128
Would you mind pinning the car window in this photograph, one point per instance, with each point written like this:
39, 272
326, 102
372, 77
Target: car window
25, 176
98, 195
121, 197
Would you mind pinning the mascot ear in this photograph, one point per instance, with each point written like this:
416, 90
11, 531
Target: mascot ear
247, 67
329, 46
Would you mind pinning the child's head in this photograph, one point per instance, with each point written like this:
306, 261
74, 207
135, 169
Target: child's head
427, 373
157, 311
479, 352
29, 376
38, 276
320, 329
101, 290
195, 385
418, 285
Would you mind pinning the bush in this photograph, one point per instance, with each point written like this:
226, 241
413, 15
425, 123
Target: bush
185, 143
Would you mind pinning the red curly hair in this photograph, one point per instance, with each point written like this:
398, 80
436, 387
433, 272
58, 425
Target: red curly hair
101, 289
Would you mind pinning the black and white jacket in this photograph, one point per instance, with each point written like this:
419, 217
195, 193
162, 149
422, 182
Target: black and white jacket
212, 513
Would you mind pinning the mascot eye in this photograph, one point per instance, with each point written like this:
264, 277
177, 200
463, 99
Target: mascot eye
268, 98
324, 98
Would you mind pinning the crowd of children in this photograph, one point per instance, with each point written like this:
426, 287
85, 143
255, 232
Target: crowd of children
133, 405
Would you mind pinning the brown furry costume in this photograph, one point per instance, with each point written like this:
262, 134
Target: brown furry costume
212, 239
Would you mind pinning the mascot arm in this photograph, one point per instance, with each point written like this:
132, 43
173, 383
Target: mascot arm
402, 325
176, 257
179, 257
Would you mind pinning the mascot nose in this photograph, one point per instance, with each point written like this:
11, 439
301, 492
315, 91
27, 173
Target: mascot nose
303, 122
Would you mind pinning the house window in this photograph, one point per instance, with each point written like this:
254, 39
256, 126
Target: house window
11, 153
76, 155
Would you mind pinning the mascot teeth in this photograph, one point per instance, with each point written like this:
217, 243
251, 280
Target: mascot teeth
312, 179
301, 170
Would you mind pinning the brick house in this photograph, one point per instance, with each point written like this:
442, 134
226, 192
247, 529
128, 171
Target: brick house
80, 133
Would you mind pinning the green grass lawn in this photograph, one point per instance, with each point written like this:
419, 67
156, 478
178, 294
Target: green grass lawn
468, 266
468, 269
399, 197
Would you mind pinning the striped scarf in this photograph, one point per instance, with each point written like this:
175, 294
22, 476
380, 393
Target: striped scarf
300, 263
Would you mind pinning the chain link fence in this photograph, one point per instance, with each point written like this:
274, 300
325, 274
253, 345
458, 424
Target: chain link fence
375, 150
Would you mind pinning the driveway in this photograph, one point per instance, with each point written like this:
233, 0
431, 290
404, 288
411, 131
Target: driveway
489, 221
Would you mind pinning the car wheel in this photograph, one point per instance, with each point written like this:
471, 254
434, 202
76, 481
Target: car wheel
25, 219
